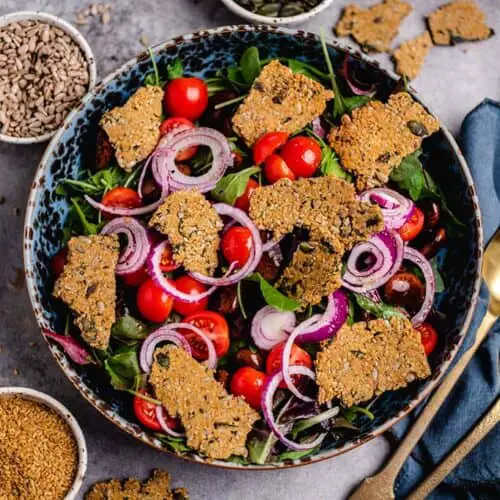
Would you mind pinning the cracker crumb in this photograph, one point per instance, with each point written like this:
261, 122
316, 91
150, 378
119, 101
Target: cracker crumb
458, 21
88, 285
368, 358
192, 226
410, 55
134, 128
216, 423
279, 100
377, 137
373, 28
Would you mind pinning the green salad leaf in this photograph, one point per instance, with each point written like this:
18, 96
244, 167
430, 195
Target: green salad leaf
82, 215
378, 309
356, 101
351, 413
329, 162
175, 70
129, 328
123, 368
96, 184
175, 444
250, 65
232, 186
260, 447
272, 295
296, 454
438, 278
153, 78
305, 69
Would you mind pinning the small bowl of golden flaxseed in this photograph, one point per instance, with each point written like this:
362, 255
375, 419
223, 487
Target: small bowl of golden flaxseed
42, 448
46, 67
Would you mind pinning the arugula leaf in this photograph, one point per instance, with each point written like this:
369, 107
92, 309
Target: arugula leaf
250, 65
295, 455
129, 328
230, 187
272, 295
123, 367
409, 175
378, 309
94, 185
175, 70
356, 101
154, 77
351, 413
305, 69
438, 278
87, 226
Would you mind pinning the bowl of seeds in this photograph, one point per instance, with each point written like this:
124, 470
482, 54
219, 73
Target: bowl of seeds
46, 67
276, 11
42, 447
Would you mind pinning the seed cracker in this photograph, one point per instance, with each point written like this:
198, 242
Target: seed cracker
279, 100
410, 55
369, 358
134, 128
192, 226
373, 28
458, 21
88, 285
217, 424
377, 136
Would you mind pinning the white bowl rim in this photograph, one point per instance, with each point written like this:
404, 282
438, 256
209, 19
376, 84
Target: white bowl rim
67, 416
237, 9
79, 39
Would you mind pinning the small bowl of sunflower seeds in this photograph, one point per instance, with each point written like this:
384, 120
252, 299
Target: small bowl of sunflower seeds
42, 447
276, 11
46, 67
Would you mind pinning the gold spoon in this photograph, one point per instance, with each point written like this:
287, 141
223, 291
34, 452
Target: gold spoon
381, 486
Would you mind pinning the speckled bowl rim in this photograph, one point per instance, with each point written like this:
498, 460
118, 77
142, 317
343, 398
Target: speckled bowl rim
67, 416
99, 405
32, 15
237, 9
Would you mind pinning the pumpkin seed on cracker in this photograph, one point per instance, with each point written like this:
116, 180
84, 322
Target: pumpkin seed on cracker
410, 55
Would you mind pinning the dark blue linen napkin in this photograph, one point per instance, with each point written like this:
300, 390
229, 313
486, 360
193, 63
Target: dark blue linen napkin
478, 476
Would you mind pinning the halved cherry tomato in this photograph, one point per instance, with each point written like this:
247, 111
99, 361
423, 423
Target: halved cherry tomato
137, 278
412, 227
58, 262
236, 245
215, 326
189, 285
243, 202
302, 156
145, 411
297, 357
268, 144
153, 303
248, 383
275, 169
429, 337
172, 123
186, 97
167, 263
122, 197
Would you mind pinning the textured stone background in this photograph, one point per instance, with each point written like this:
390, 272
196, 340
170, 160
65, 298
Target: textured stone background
453, 81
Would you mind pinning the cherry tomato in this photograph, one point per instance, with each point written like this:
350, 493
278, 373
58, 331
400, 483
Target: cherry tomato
428, 336
412, 227
248, 383
297, 357
215, 327
167, 263
58, 262
136, 278
172, 123
275, 169
153, 303
268, 144
122, 197
302, 155
145, 412
236, 245
243, 202
189, 285
186, 97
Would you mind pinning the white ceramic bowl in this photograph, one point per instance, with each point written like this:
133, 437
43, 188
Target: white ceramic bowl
61, 410
237, 9
29, 15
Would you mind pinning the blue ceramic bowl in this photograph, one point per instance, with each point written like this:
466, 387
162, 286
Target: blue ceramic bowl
203, 53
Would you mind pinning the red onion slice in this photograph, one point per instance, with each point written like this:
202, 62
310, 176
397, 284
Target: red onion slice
270, 389
71, 347
270, 327
161, 413
134, 256
157, 274
318, 128
419, 260
396, 208
254, 259
353, 84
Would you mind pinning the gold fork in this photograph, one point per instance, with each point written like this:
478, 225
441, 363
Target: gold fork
381, 486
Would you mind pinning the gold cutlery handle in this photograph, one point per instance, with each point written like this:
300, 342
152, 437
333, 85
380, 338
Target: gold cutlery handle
487, 423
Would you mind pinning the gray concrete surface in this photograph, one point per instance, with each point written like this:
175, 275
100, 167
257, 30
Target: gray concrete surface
453, 81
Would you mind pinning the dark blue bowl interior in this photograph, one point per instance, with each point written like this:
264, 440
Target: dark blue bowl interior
202, 55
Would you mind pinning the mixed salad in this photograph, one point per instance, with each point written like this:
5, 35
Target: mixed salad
236, 229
